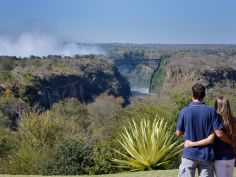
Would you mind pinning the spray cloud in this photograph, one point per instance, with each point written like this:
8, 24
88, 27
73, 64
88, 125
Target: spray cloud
41, 44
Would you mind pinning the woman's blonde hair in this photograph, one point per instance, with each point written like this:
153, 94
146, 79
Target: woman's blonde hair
222, 107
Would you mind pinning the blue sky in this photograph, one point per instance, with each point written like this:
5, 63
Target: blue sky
131, 21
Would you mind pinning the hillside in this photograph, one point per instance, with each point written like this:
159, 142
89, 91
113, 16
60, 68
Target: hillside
46, 81
212, 71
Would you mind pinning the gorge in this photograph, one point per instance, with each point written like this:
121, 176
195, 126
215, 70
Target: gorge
139, 73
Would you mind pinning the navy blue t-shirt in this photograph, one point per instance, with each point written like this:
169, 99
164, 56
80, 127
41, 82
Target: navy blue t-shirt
197, 121
223, 151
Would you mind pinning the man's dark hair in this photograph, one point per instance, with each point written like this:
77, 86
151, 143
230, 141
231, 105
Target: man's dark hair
198, 91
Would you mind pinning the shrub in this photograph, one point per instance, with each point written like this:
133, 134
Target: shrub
7, 63
4, 121
72, 116
23, 63
8, 142
25, 160
37, 134
6, 76
72, 157
148, 145
139, 110
29, 78
37, 63
103, 116
180, 98
40, 134
11, 109
167, 111
102, 156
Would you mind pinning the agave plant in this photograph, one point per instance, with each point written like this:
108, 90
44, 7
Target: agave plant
148, 145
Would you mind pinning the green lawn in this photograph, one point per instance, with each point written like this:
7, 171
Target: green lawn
158, 173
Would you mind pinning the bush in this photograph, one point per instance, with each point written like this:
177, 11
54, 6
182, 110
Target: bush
6, 76
102, 156
40, 134
139, 110
4, 121
37, 63
149, 145
72, 157
7, 63
11, 109
25, 161
8, 142
168, 111
103, 116
72, 117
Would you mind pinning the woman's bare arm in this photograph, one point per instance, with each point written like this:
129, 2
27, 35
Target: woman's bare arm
234, 135
202, 142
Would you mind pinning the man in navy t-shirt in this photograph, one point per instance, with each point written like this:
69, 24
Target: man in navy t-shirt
196, 122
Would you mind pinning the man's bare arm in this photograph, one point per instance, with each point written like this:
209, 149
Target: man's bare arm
223, 137
179, 133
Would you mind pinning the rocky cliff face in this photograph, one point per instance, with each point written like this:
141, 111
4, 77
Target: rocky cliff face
224, 77
81, 79
86, 89
212, 71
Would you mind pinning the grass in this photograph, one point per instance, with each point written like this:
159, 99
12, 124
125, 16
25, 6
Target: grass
157, 173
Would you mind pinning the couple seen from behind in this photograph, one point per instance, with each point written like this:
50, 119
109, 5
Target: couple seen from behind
209, 137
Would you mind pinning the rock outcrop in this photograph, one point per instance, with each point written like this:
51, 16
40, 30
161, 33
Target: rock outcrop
86, 88
213, 72
78, 78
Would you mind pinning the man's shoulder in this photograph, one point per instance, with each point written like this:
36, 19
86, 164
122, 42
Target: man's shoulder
184, 109
205, 107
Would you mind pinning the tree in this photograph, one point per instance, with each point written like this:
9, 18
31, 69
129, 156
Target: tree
7, 63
